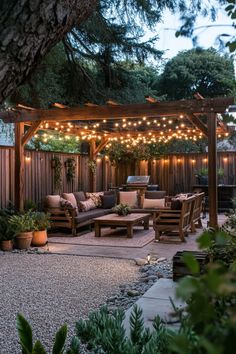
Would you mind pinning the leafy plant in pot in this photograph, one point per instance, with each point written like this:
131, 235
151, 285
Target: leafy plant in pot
23, 226
7, 234
41, 224
121, 209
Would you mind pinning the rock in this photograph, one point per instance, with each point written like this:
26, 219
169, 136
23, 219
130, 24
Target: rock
152, 277
161, 259
159, 275
140, 261
133, 293
144, 279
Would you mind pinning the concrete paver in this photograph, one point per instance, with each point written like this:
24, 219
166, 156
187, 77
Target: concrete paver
156, 301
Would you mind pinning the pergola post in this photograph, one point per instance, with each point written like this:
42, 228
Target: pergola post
19, 166
212, 169
92, 157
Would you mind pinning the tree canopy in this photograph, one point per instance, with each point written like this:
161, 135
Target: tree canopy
197, 70
113, 33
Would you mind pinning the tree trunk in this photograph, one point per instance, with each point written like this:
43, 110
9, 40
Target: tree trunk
28, 30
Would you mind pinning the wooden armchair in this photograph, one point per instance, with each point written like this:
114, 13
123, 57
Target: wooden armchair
177, 221
198, 206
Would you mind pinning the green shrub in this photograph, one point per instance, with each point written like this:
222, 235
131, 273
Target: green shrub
104, 333
28, 347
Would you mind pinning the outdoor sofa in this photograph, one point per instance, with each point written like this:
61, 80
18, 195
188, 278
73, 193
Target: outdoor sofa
68, 211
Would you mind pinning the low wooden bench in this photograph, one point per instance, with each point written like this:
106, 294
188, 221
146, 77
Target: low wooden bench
179, 267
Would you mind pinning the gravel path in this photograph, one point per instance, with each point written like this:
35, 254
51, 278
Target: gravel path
52, 289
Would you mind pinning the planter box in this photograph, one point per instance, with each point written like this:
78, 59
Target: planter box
180, 269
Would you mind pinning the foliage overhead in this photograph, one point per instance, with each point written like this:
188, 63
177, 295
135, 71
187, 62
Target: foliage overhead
197, 70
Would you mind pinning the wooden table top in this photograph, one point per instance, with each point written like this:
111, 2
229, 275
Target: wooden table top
115, 217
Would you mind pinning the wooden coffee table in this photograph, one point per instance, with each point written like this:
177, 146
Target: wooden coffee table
117, 221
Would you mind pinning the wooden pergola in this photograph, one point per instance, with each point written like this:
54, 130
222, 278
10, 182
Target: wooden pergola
151, 120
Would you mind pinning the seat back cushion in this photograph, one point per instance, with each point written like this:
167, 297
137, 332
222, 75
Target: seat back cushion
108, 201
96, 197
155, 194
130, 198
153, 203
53, 201
71, 198
87, 205
79, 196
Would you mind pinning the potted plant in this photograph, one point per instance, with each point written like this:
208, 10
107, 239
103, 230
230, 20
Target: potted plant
202, 176
41, 224
121, 209
23, 226
7, 234
220, 173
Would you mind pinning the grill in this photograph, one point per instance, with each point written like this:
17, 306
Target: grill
136, 182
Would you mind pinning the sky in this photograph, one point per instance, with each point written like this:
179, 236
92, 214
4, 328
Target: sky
207, 36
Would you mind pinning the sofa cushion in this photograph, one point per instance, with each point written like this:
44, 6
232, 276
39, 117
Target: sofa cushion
153, 203
130, 198
155, 194
96, 197
71, 198
79, 196
53, 201
108, 201
91, 214
87, 205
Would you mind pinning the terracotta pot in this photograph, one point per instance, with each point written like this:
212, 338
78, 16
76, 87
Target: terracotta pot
6, 245
23, 240
39, 238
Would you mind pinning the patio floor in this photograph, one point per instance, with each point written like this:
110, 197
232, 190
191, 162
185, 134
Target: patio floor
100, 247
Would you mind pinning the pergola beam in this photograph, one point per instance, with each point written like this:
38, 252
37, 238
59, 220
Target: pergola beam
102, 144
172, 108
198, 123
30, 132
19, 167
212, 170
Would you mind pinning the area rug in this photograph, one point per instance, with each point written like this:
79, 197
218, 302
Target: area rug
110, 237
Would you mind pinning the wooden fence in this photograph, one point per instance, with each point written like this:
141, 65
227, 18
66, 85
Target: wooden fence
174, 173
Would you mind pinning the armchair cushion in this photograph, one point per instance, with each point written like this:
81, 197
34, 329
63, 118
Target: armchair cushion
155, 194
176, 204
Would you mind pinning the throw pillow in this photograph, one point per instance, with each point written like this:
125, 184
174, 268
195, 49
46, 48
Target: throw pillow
66, 204
108, 201
87, 205
79, 196
71, 198
53, 201
130, 198
96, 197
153, 203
